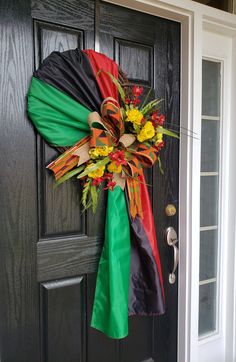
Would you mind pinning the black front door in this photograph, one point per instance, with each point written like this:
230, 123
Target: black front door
49, 248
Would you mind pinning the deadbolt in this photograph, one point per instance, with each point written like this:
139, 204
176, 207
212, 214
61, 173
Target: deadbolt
170, 210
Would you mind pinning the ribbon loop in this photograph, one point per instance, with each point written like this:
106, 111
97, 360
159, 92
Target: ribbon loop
111, 116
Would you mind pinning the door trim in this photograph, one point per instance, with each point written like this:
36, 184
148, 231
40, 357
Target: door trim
194, 17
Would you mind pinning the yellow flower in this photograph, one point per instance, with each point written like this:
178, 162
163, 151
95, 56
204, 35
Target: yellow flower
96, 152
104, 151
159, 137
96, 173
147, 132
93, 152
134, 116
112, 167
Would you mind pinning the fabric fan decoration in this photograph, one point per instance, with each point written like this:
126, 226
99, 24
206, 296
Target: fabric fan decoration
81, 103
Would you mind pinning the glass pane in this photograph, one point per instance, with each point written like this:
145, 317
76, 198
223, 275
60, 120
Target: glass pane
208, 254
209, 195
211, 88
210, 146
207, 308
209, 201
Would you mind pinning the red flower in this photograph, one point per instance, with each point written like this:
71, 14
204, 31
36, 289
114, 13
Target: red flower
137, 91
110, 185
157, 120
97, 181
135, 102
127, 100
154, 116
160, 146
161, 120
108, 176
119, 157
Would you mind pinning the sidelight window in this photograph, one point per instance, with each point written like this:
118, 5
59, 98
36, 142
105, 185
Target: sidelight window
209, 197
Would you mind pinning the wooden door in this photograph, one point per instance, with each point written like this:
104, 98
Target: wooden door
49, 248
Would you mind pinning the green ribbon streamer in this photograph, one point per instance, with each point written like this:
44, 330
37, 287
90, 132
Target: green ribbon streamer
110, 310
61, 121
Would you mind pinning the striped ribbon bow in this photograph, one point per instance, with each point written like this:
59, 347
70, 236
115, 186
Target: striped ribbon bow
108, 130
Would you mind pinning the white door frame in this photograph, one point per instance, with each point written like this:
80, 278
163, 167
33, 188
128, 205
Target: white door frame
195, 19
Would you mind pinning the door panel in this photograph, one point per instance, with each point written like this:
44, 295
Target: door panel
148, 50
64, 320
51, 248
65, 201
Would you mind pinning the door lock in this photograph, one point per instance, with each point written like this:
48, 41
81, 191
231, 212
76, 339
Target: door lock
172, 239
170, 210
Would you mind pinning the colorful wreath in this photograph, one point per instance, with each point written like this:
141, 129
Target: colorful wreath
82, 103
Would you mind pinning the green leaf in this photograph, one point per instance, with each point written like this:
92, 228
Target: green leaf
136, 128
149, 107
160, 165
167, 132
94, 197
85, 194
70, 174
123, 113
146, 98
98, 164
